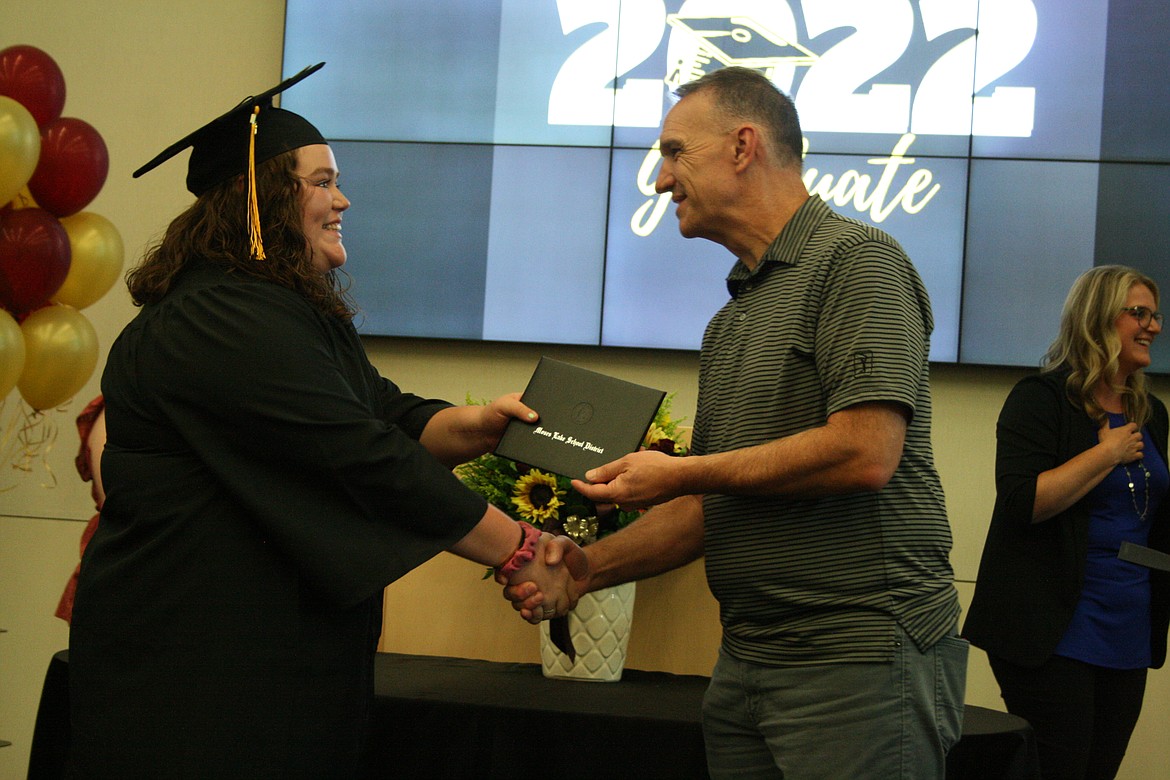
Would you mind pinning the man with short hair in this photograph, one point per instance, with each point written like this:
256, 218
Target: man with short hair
811, 488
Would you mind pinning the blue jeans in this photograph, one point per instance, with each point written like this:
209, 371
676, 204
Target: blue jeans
857, 721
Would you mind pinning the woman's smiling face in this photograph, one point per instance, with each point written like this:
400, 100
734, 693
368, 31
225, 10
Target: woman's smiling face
322, 202
1136, 338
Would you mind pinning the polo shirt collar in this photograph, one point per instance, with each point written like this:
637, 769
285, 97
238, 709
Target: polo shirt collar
787, 247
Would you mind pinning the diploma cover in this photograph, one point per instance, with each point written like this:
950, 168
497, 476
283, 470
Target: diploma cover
1144, 556
587, 419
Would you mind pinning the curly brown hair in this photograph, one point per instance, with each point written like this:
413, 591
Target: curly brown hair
215, 229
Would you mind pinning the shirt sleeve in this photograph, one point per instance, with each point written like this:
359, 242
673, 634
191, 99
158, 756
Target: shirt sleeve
873, 327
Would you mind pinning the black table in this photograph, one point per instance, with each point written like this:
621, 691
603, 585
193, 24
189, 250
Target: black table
437, 717
458, 718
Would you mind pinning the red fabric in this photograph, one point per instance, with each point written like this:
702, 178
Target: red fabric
65, 605
85, 422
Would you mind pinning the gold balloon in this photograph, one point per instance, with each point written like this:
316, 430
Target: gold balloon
61, 351
11, 353
97, 255
23, 200
20, 147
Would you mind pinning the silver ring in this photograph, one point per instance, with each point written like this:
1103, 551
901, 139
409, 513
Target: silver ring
549, 613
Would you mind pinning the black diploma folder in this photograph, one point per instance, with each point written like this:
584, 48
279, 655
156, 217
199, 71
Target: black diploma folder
587, 419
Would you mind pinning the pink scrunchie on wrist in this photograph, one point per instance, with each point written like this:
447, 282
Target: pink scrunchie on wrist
524, 553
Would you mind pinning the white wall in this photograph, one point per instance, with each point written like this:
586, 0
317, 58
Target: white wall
143, 73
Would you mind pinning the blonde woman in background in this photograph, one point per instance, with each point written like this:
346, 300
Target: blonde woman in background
1069, 628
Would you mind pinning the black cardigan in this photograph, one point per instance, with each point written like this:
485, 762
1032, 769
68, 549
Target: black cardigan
1030, 575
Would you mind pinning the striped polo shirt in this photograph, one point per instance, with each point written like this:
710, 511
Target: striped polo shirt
833, 315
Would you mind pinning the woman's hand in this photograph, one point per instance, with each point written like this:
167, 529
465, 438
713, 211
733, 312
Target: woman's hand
495, 416
1124, 443
1059, 488
460, 433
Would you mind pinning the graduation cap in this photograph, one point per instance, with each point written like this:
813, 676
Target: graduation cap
234, 143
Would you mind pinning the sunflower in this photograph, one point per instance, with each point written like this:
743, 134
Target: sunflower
537, 496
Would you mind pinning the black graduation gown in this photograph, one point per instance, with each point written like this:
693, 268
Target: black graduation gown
264, 484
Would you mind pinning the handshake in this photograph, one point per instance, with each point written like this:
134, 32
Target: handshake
549, 585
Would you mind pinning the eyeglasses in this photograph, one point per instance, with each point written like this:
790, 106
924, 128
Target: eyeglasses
1144, 316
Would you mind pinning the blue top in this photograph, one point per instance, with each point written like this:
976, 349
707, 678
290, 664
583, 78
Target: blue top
1111, 624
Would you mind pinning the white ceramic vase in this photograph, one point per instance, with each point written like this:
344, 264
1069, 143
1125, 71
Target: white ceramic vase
600, 627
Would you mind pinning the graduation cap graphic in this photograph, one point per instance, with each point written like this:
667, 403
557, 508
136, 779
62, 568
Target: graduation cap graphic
730, 40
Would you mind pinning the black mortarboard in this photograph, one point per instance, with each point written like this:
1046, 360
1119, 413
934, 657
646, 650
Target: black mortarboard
235, 143
220, 149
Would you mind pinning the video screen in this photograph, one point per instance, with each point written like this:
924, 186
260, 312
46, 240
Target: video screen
501, 157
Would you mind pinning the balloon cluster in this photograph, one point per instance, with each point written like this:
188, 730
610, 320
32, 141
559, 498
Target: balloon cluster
55, 259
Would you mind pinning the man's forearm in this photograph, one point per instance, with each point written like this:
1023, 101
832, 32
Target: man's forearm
856, 451
666, 537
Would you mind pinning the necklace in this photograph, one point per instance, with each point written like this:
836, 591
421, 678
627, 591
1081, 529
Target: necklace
1141, 513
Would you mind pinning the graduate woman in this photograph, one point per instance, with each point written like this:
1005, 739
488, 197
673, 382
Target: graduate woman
263, 484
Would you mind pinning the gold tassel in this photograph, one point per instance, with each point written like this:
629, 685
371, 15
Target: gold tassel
254, 238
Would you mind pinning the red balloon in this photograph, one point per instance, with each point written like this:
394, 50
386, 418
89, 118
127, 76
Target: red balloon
32, 78
72, 168
34, 259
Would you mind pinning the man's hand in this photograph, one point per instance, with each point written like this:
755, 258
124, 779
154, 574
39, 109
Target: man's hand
636, 481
